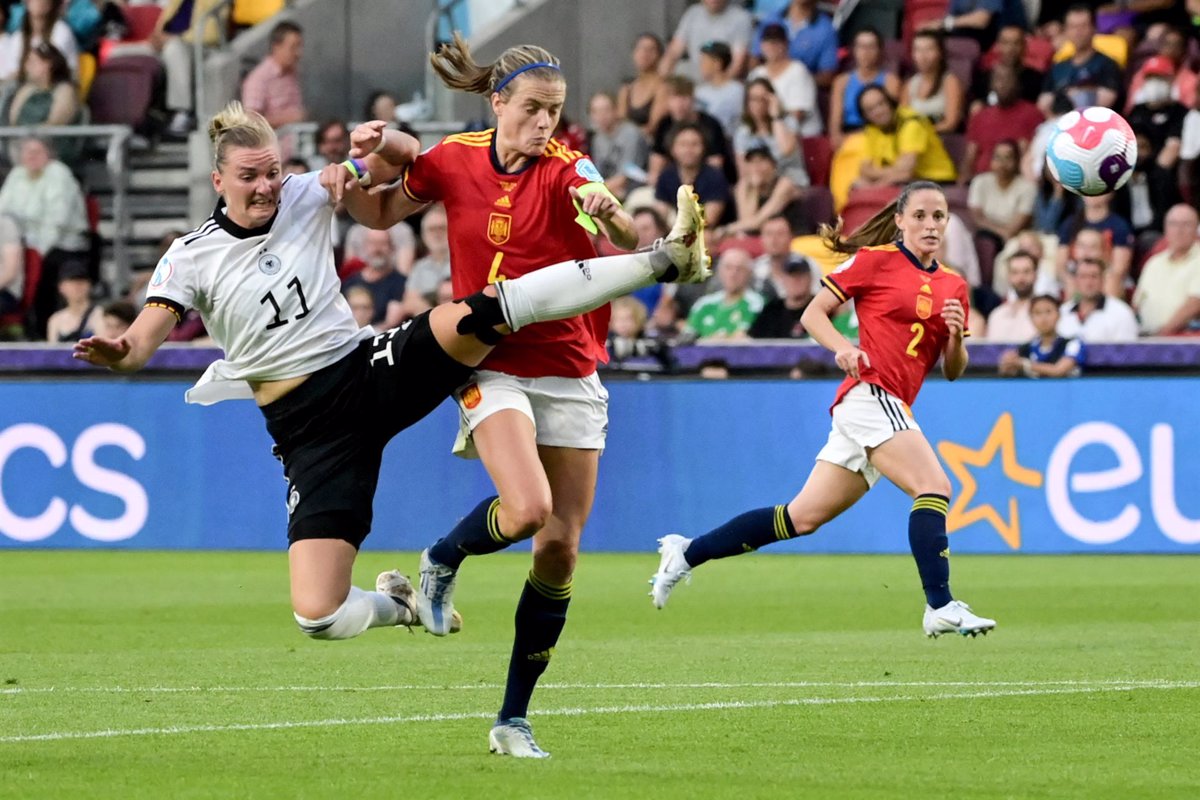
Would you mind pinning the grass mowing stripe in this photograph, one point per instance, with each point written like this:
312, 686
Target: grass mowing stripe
405, 687
575, 712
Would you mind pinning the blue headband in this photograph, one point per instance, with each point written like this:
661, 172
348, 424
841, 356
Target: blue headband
526, 68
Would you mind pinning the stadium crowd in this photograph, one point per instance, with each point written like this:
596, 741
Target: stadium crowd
782, 114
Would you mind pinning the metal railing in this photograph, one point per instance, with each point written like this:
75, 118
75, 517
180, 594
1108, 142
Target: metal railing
116, 159
219, 14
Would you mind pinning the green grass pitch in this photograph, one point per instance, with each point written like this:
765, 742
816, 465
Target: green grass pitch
156, 675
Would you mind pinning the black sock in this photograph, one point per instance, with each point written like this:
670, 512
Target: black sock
931, 547
476, 534
541, 615
742, 534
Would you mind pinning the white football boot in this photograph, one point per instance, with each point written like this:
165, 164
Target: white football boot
514, 737
685, 243
396, 584
435, 601
672, 568
955, 617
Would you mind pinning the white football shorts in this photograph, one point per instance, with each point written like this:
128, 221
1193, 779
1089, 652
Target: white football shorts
566, 412
867, 417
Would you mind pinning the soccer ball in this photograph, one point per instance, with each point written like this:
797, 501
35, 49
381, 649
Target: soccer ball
1092, 151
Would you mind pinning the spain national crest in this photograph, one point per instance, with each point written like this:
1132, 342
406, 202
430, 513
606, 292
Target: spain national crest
924, 303
499, 228
471, 395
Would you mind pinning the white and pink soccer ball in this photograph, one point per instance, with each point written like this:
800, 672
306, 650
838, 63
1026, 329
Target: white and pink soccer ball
1092, 151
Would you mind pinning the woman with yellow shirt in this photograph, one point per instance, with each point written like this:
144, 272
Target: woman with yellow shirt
902, 145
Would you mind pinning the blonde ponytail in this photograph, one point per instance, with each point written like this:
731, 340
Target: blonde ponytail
457, 68
234, 126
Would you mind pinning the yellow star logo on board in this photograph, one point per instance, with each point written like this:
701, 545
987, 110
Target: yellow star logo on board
958, 458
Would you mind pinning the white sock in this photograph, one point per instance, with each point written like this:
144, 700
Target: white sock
573, 287
360, 610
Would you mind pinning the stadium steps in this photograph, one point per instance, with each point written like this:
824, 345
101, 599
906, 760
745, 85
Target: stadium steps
157, 198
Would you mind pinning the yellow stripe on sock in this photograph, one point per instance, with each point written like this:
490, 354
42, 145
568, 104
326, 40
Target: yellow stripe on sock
780, 525
549, 590
493, 523
932, 504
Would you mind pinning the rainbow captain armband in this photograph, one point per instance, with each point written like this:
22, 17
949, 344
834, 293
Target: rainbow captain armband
358, 168
583, 219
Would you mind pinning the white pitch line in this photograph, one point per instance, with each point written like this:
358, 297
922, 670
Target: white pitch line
407, 687
576, 712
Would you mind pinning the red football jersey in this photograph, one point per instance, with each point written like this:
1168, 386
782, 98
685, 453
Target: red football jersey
503, 225
899, 305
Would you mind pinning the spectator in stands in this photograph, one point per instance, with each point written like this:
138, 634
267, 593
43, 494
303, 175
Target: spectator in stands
1157, 114
80, 316
1009, 51
273, 87
780, 317
42, 195
1152, 190
765, 124
1089, 78
616, 146
791, 80
1011, 321
116, 317
933, 90
1097, 214
12, 265
689, 166
1009, 118
643, 99
845, 115
1168, 291
710, 21
381, 105
1094, 316
1033, 243
333, 144
957, 251
172, 41
763, 192
650, 227
729, 312
1173, 49
812, 39
978, 19
1047, 354
404, 248
1001, 201
46, 95
40, 23
717, 94
295, 166
429, 271
681, 108
362, 304
776, 235
381, 279
901, 145
627, 336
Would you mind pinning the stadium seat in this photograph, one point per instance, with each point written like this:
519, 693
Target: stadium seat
247, 13
961, 55
818, 155
33, 274
986, 251
817, 203
141, 21
123, 90
956, 147
917, 12
864, 203
1039, 52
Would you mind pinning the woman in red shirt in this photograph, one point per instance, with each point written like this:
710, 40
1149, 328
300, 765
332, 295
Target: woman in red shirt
912, 312
535, 411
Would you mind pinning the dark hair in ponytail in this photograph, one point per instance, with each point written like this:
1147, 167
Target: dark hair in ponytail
879, 229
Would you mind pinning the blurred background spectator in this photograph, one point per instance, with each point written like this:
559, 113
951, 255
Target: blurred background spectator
1001, 200
1047, 354
80, 316
681, 108
780, 316
362, 304
432, 269
41, 23
709, 21
866, 69
1005, 117
933, 91
1011, 320
616, 146
791, 80
811, 37
1094, 316
1096, 214
273, 87
115, 318
764, 124
643, 98
1088, 77
761, 193
1168, 291
718, 94
381, 278
688, 165
729, 312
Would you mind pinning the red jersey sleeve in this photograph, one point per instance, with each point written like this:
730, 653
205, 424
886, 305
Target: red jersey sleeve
422, 180
852, 277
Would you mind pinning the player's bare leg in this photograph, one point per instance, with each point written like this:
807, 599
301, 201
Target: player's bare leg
327, 606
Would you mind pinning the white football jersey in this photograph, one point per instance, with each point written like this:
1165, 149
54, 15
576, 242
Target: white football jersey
269, 296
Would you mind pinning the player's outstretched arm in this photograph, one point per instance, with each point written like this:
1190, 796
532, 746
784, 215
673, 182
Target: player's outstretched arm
817, 321
131, 350
386, 151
